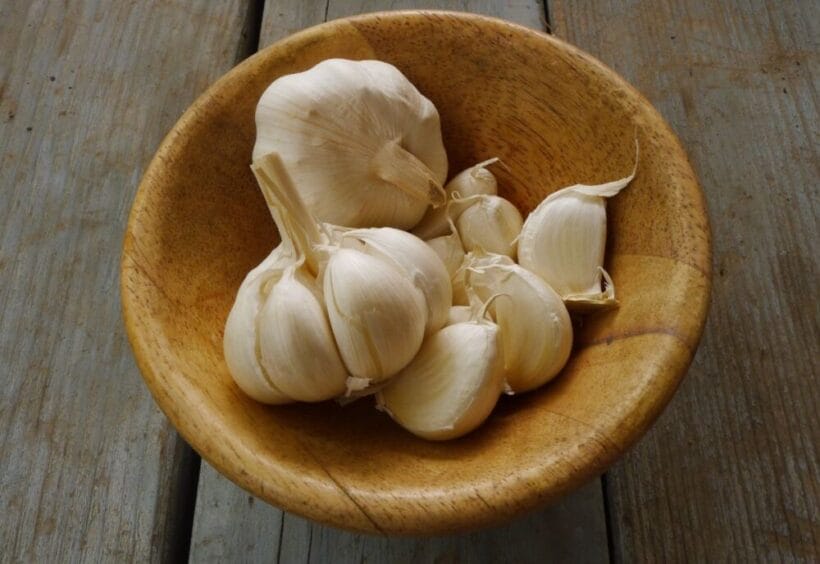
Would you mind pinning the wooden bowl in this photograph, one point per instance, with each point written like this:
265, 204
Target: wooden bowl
555, 116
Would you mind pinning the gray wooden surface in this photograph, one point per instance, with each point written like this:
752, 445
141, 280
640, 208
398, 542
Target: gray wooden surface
91, 470
89, 467
730, 471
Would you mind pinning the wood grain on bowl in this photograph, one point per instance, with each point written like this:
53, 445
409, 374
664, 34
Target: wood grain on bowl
555, 116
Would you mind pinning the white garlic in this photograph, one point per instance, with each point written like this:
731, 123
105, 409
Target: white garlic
378, 316
473, 181
459, 314
296, 344
418, 261
453, 383
362, 144
240, 344
536, 330
449, 250
460, 291
564, 239
491, 224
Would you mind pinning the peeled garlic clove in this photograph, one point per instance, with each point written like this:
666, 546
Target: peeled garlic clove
491, 224
240, 343
473, 181
450, 250
377, 315
564, 239
419, 262
452, 384
296, 344
362, 144
535, 325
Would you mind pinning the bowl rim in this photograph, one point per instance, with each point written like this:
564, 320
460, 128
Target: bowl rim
209, 449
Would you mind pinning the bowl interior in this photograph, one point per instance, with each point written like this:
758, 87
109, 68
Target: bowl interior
555, 117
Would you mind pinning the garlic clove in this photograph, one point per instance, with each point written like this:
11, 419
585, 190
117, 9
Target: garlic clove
492, 224
240, 343
564, 239
377, 315
535, 326
417, 260
473, 181
296, 343
362, 144
451, 386
450, 250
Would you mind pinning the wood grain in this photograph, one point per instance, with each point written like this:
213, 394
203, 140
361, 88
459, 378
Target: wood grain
230, 523
198, 223
89, 467
731, 470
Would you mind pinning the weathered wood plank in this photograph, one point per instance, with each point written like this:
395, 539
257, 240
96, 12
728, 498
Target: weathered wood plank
229, 524
89, 468
529, 13
232, 525
730, 472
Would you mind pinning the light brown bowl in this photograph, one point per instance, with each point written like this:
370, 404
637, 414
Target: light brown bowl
555, 116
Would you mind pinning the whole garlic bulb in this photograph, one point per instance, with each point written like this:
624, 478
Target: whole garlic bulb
492, 224
564, 239
473, 181
452, 385
240, 343
536, 329
419, 262
362, 144
377, 314
296, 344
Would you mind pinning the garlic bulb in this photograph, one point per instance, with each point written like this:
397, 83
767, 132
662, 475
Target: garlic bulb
377, 315
296, 344
536, 330
564, 239
453, 383
240, 344
419, 262
362, 144
473, 181
490, 223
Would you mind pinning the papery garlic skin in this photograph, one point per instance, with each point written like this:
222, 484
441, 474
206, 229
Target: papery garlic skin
362, 144
474, 181
492, 224
563, 241
296, 344
451, 386
460, 292
536, 329
417, 260
459, 314
377, 315
240, 344
450, 250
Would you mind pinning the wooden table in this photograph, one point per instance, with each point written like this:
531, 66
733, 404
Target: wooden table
91, 470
